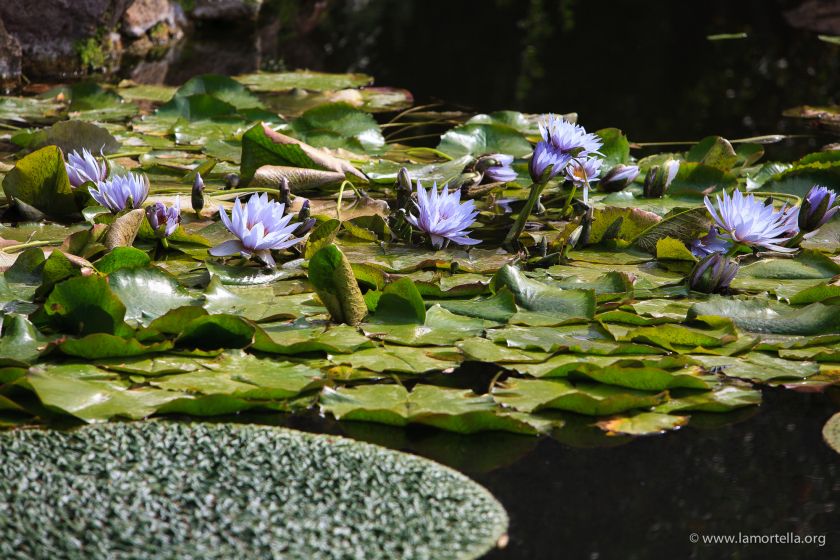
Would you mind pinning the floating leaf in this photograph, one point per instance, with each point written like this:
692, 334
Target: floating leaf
529, 395
831, 432
645, 423
40, 180
771, 317
478, 139
332, 277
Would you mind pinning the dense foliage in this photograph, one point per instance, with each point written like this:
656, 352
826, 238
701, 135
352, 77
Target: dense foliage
589, 295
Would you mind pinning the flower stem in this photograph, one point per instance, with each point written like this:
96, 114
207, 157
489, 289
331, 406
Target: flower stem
519, 225
29, 245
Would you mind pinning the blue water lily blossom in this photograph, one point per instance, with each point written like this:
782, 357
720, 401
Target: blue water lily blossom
498, 168
260, 225
561, 142
583, 172
818, 207
443, 216
83, 168
568, 137
710, 243
121, 192
164, 220
745, 220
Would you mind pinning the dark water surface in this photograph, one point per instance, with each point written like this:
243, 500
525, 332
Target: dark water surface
583, 495
645, 67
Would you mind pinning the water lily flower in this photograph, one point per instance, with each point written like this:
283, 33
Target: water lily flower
260, 225
710, 243
443, 216
583, 172
569, 138
546, 162
817, 208
83, 168
121, 192
743, 219
619, 177
164, 221
497, 168
712, 274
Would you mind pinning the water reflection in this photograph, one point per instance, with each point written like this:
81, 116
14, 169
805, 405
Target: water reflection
646, 67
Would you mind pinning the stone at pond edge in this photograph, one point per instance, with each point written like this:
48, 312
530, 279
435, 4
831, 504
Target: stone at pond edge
10, 59
205, 486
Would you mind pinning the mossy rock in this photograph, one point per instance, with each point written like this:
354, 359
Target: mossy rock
177, 490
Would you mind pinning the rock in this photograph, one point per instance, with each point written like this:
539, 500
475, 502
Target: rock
228, 10
51, 33
142, 15
10, 56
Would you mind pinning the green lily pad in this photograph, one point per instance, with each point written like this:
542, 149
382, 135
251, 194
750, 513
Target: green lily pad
530, 395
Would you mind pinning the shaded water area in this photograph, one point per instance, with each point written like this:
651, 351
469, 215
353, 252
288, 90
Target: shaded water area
647, 68
581, 494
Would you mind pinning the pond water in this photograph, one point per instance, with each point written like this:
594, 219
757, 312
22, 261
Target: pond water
649, 69
645, 67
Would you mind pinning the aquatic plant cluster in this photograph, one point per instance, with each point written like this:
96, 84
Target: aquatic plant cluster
324, 256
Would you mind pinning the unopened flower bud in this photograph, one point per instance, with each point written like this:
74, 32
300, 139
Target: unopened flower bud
619, 177
164, 221
404, 189
817, 208
496, 168
712, 274
231, 181
303, 217
285, 197
197, 196
659, 178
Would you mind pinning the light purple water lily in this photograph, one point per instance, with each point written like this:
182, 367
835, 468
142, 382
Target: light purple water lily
710, 243
498, 168
261, 227
84, 167
818, 207
121, 192
583, 172
569, 138
443, 216
561, 141
164, 221
743, 219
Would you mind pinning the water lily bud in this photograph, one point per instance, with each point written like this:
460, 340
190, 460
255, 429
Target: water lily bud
713, 274
817, 208
496, 168
164, 221
231, 181
404, 189
197, 197
659, 178
619, 177
285, 193
303, 217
